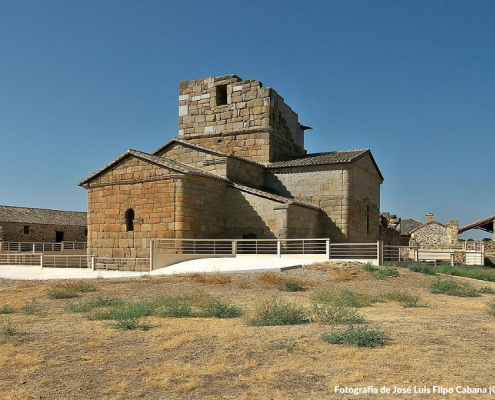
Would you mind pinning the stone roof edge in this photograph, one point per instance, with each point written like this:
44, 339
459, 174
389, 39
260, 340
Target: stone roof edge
271, 196
476, 224
162, 161
203, 148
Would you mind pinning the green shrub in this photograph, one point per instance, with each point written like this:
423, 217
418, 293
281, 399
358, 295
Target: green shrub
486, 290
345, 297
6, 309
405, 299
422, 268
89, 305
385, 272
361, 336
370, 267
380, 272
453, 288
176, 307
218, 309
291, 285
273, 312
335, 314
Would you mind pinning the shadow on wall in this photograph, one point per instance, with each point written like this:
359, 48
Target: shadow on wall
244, 213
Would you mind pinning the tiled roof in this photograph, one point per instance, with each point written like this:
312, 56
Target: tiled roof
408, 225
332, 157
41, 216
484, 224
160, 161
271, 196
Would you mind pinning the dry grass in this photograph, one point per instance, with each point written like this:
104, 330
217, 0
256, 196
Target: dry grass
211, 279
64, 355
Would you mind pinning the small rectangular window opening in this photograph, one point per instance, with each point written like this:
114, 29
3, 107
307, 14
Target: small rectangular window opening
59, 236
221, 95
26, 229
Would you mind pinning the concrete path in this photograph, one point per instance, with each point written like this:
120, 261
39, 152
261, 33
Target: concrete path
205, 265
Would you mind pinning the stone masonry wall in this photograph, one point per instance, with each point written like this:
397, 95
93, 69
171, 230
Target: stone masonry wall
242, 122
247, 173
14, 232
302, 222
229, 167
250, 214
203, 208
204, 160
325, 186
364, 202
431, 236
136, 185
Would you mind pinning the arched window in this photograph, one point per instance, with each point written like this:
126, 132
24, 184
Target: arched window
129, 220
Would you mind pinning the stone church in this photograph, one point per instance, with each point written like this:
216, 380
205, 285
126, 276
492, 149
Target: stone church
238, 169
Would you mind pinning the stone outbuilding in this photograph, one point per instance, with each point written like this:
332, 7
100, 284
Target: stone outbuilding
23, 224
435, 235
238, 169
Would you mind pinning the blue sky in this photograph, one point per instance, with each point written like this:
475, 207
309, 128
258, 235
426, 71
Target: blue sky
83, 81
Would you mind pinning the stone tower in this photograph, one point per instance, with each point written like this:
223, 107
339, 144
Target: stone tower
239, 118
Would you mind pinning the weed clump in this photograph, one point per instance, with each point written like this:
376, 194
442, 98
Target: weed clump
6, 309
284, 344
451, 287
335, 314
405, 299
486, 290
273, 311
218, 309
292, 285
345, 297
360, 336
381, 272
422, 268
491, 308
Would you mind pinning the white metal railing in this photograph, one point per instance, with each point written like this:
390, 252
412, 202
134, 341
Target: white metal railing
34, 247
240, 246
20, 259
362, 251
66, 261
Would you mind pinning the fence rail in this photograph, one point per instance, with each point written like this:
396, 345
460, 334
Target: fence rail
36, 247
75, 261
28, 259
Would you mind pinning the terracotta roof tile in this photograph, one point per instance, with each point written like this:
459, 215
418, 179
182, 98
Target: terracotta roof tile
42, 216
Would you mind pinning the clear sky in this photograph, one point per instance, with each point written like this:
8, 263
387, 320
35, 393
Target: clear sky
83, 81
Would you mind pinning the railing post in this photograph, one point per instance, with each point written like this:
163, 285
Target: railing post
379, 245
41, 260
152, 255
279, 248
327, 248
234, 248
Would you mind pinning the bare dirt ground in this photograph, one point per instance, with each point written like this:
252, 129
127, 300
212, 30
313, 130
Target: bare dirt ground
51, 353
